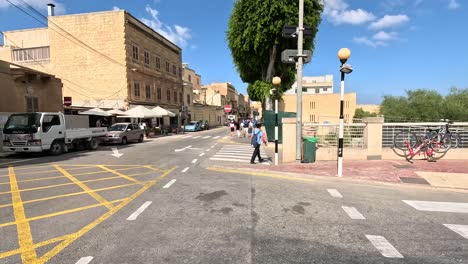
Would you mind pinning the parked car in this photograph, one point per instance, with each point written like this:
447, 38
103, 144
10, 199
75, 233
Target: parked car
204, 125
193, 126
122, 133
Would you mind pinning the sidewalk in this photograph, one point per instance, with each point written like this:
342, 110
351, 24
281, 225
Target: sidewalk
443, 173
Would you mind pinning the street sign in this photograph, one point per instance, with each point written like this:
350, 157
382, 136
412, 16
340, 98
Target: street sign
291, 31
67, 101
290, 56
227, 108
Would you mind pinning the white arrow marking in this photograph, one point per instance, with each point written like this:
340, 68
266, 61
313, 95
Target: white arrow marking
182, 149
116, 153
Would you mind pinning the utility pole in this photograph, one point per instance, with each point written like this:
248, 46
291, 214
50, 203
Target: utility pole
300, 61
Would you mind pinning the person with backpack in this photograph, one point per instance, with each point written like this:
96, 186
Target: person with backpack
232, 126
256, 142
246, 127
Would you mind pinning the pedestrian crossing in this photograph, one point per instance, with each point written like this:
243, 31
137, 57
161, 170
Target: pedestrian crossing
238, 153
201, 137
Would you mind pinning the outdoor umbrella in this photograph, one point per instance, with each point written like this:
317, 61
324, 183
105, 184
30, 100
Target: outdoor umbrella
116, 112
96, 112
139, 112
163, 112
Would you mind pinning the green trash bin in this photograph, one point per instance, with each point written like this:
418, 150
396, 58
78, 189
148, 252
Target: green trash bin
310, 147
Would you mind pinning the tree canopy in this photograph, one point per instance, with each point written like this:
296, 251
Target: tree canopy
254, 38
426, 105
361, 113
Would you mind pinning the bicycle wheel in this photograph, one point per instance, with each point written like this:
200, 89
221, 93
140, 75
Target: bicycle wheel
403, 137
441, 143
455, 140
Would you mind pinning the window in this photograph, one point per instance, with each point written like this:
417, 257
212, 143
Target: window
31, 54
325, 89
174, 69
181, 98
147, 58
50, 120
32, 104
189, 78
168, 96
148, 91
188, 99
317, 90
180, 72
158, 63
198, 81
135, 55
136, 89
159, 94
167, 66
175, 97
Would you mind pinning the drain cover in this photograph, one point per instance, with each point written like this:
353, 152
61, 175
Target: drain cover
414, 180
403, 166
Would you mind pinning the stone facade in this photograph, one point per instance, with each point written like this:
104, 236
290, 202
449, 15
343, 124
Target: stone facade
27, 90
321, 108
109, 56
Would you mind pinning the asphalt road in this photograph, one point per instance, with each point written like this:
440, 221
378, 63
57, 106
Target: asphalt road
187, 199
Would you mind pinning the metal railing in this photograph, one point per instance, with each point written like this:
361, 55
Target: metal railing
327, 134
390, 129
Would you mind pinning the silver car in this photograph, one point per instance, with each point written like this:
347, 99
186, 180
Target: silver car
122, 133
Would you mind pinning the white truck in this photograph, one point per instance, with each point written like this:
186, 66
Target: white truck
52, 132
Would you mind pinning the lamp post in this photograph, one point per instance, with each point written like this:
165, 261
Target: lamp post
276, 82
343, 55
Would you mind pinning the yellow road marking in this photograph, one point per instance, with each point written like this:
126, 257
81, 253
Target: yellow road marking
79, 174
24, 231
261, 174
69, 211
90, 226
81, 165
150, 167
37, 245
83, 186
119, 174
38, 172
71, 194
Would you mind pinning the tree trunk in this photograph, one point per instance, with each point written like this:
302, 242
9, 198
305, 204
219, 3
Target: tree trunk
269, 76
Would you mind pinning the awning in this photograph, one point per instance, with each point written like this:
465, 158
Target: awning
96, 112
139, 112
163, 112
116, 112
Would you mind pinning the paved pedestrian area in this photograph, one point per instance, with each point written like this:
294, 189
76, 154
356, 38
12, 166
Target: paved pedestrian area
45, 208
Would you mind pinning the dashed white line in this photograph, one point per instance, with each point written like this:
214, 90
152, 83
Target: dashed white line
225, 137
194, 161
186, 136
169, 184
201, 155
212, 146
385, 248
206, 137
208, 149
353, 213
186, 169
139, 211
84, 260
182, 149
334, 193
216, 137
438, 206
462, 230
197, 137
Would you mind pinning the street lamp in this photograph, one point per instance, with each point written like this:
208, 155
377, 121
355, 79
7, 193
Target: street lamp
343, 55
276, 82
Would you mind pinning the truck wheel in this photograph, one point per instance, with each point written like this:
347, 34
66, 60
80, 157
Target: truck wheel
93, 144
55, 148
140, 140
124, 141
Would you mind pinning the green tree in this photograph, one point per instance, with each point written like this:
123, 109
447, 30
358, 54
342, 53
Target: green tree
456, 104
254, 38
361, 113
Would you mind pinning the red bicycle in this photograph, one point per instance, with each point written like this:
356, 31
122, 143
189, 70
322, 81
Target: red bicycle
432, 147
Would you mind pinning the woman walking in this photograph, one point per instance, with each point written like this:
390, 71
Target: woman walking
256, 143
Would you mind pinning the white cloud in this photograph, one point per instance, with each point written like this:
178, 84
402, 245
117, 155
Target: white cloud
385, 36
453, 4
193, 46
368, 42
179, 35
337, 12
389, 21
115, 8
40, 5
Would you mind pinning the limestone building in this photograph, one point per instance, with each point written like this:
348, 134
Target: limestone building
105, 59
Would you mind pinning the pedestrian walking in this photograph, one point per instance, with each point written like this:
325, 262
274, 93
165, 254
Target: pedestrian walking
256, 143
238, 129
232, 126
246, 128
251, 127
241, 127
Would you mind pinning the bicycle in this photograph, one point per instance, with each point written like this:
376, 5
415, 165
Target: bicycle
444, 131
432, 147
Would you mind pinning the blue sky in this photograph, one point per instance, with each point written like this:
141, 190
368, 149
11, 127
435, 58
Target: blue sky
396, 45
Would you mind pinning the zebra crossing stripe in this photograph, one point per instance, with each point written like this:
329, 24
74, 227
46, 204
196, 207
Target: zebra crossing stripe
462, 230
430, 206
385, 248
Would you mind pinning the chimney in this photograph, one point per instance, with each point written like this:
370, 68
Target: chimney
51, 9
